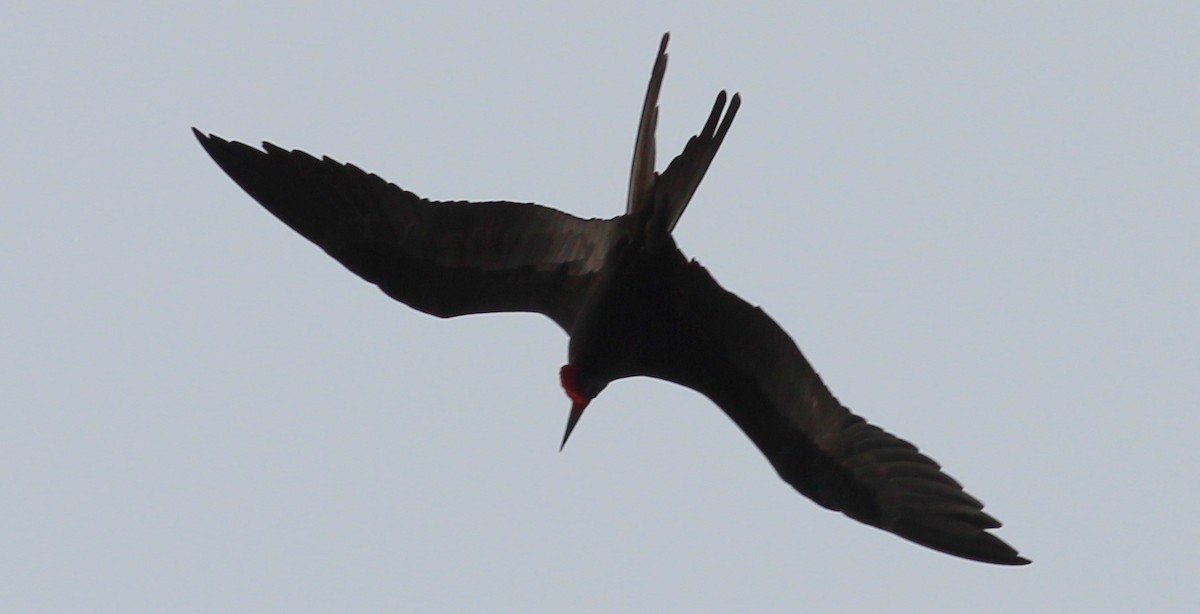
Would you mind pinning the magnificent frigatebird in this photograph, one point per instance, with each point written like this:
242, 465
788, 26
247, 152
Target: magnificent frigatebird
632, 304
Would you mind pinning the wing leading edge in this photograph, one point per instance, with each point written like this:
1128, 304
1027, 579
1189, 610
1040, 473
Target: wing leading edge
443, 258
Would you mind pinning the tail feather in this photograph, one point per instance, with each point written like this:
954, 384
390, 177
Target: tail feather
678, 183
669, 193
641, 176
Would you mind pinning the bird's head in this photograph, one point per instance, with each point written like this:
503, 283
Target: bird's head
581, 390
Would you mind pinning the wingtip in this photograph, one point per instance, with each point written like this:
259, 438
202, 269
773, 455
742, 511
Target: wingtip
986, 549
993, 552
207, 140
1011, 561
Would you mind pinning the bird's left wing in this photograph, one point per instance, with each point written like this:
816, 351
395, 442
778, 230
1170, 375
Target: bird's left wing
741, 359
443, 258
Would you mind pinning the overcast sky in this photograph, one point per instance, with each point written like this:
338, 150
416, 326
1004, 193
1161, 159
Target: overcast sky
980, 225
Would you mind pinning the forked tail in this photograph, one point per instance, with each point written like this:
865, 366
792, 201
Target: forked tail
673, 189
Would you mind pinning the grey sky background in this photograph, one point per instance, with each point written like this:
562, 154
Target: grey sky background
979, 224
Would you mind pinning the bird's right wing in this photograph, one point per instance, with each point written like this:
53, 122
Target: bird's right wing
741, 359
443, 258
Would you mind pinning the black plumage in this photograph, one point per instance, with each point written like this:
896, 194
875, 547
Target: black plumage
633, 305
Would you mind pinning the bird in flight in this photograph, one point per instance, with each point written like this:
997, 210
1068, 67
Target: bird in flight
632, 304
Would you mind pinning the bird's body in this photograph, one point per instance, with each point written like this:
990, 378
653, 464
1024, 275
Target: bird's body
633, 305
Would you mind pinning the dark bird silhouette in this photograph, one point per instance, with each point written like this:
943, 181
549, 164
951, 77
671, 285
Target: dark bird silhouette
633, 305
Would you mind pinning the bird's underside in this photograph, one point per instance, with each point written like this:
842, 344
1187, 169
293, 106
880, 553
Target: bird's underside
632, 304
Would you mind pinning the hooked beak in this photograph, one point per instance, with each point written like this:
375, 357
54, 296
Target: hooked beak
579, 401
576, 412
